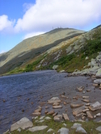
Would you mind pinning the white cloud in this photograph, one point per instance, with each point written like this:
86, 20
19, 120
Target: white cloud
5, 24
65, 13
47, 14
32, 34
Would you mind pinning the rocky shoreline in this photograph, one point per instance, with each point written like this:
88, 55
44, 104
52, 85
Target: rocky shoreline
84, 106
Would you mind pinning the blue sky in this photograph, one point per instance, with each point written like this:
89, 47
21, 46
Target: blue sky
20, 19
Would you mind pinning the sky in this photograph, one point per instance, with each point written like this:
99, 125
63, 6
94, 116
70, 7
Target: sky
21, 19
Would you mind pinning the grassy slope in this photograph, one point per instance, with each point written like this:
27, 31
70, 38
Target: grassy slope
66, 62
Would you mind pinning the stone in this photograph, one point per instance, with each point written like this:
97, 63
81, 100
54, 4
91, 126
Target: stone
95, 106
81, 130
55, 67
50, 130
23, 123
65, 116
88, 90
98, 128
95, 85
85, 100
78, 110
41, 121
42, 117
87, 58
87, 104
80, 89
56, 104
47, 118
64, 124
97, 81
98, 74
56, 107
98, 114
58, 118
85, 110
63, 96
36, 113
51, 112
54, 100
19, 129
76, 125
55, 114
37, 128
63, 130
46, 111
76, 105
64, 103
85, 97
89, 114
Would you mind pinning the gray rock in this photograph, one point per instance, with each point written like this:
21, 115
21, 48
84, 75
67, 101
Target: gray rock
23, 123
50, 130
42, 117
97, 81
55, 67
41, 121
19, 129
98, 74
64, 124
68, 50
98, 128
37, 128
58, 118
63, 130
76, 125
47, 118
81, 130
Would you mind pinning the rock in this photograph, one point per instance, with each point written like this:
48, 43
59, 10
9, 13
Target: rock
98, 74
84, 92
62, 71
63, 131
58, 118
36, 113
64, 124
76, 105
54, 100
42, 117
55, 114
63, 96
89, 114
41, 121
56, 107
55, 67
87, 58
64, 103
76, 125
85, 100
80, 89
65, 116
98, 128
78, 110
99, 114
23, 123
19, 129
95, 106
81, 130
50, 130
56, 104
97, 81
85, 110
95, 85
37, 128
85, 97
88, 90
87, 104
47, 118
46, 111
51, 112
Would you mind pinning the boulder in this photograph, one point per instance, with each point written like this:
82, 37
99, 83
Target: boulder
81, 130
78, 110
97, 81
76, 125
98, 74
58, 117
37, 128
89, 114
98, 128
23, 123
63, 130
95, 106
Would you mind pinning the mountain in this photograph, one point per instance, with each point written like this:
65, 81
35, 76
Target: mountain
62, 49
29, 48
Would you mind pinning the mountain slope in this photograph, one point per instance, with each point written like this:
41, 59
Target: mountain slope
28, 49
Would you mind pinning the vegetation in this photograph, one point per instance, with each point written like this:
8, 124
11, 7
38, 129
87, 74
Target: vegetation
90, 127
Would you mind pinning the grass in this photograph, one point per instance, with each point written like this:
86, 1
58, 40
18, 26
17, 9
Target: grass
90, 127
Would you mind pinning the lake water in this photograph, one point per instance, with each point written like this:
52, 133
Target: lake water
21, 94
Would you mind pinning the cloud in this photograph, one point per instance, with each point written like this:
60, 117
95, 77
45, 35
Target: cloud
65, 13
45, 15
5, 24
32, 34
